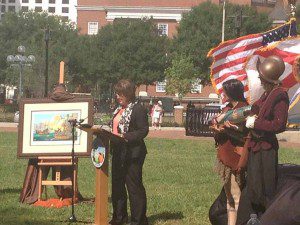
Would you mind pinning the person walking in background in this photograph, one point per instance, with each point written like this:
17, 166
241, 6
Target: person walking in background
230, 141
130, 121
157, 113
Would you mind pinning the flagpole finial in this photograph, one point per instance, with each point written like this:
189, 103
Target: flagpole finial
292, 4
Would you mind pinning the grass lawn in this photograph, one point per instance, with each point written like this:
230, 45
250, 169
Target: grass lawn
178, 176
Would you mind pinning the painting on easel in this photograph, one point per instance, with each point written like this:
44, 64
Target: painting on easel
53, 127
45, 127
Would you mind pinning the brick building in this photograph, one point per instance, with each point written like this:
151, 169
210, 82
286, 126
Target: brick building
94, 14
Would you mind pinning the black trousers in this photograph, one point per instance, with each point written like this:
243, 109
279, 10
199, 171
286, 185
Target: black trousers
261, 184
128, 174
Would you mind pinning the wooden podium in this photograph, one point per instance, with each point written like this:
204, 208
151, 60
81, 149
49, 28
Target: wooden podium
101, 199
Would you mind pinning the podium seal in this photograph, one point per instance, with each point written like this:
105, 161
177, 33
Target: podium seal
98, 156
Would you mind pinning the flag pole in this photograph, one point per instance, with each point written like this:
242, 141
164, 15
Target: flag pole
223, 21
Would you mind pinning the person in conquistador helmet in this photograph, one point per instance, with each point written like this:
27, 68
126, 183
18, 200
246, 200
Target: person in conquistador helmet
269, 117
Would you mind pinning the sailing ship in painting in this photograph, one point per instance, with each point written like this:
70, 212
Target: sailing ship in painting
53, 126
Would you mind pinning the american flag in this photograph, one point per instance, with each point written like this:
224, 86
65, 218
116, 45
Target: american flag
288, 50
230, 57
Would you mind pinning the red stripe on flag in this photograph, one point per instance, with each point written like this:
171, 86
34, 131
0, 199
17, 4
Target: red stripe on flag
229, 64
238, 50
286, 56
236, 73
230, 42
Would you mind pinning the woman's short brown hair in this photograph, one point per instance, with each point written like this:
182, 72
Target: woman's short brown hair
126, 88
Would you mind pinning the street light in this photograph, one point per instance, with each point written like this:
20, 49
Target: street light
21, 61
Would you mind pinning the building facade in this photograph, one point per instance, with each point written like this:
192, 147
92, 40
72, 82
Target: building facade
94, 14
65, 8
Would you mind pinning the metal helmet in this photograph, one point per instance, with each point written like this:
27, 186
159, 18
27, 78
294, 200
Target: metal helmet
271, 69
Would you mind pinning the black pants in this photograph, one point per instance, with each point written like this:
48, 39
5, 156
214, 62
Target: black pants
261, 184
128, 173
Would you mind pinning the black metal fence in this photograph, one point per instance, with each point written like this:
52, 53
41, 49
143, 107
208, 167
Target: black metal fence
197, 121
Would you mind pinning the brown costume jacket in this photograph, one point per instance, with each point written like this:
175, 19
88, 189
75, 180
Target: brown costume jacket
272, 112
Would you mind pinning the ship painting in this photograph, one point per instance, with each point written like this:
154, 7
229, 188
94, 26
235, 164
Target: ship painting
53, 126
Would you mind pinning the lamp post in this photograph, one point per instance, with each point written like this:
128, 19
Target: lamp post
21, 61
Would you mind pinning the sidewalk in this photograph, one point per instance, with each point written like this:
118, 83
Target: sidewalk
8, 127
288, 139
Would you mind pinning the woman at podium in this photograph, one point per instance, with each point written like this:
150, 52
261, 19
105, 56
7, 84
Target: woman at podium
130, 121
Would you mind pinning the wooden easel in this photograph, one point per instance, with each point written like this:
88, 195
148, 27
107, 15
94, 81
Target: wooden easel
57, 161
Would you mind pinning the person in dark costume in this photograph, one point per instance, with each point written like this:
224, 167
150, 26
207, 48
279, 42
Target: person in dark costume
269, 117
130, 121
230, 140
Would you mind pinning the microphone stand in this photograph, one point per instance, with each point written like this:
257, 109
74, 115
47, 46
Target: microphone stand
73, 124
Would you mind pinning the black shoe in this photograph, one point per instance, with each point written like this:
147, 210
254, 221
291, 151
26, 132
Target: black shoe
118, 222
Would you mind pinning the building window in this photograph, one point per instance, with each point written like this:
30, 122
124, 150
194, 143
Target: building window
2, 8
161, 86
25, 1
11, 8
12, 1
65, 10
65, 1
38, 1
163, 29
51, 9
3, 1
52, 1
93, 28
196, 87
38, 9
25, 8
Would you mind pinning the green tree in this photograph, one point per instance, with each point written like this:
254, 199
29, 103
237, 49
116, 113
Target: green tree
180, 76
131, 49
28, 29
200, 30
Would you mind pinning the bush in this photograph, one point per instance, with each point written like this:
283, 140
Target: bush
6, 117
8, 108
